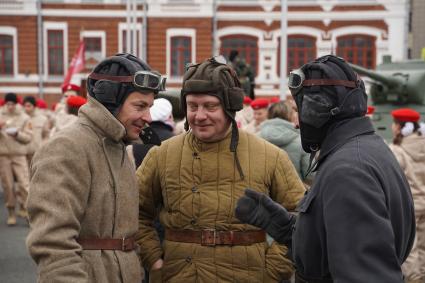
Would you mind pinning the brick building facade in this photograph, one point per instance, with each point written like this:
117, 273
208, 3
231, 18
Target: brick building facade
180, 31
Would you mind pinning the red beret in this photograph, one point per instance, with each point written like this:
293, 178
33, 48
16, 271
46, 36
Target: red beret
76, 101
247, 100
370, 110
1, 101
260, 103
275, 99
70, 87
41, 104
406, 115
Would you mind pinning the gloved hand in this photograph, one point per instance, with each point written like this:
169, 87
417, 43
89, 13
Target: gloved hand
257, 209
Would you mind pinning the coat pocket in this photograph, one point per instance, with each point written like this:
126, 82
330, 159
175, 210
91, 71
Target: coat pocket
278, 266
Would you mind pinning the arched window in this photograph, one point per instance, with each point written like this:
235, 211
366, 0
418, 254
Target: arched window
301, 50
181, 54
6, 54
357, 49
246, 45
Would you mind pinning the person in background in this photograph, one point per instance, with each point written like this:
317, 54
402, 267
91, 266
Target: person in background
260, 107
245, 116
244, 72
282, 133
15, 134
83, 202
409, 149
40, 126
162, 125
193, 180
356, 224
64, 120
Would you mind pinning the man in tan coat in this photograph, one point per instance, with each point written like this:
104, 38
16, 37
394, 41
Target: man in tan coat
39, 123
193, 182
83, 202
15, 134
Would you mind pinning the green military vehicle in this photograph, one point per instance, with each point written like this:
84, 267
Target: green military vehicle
394, 85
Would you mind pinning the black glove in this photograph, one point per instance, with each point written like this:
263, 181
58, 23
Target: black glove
257, 209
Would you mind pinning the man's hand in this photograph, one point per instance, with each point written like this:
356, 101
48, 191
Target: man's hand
257, 209
158, 264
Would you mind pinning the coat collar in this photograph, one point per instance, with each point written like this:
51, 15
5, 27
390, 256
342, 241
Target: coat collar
340, 133
200, 146
95, 115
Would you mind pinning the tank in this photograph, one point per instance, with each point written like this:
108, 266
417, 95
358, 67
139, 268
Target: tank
394, 85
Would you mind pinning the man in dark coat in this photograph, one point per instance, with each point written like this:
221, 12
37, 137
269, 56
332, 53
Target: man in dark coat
356, 223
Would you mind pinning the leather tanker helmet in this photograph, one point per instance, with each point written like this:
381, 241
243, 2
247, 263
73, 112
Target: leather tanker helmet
326, 90
111, 81
214, 77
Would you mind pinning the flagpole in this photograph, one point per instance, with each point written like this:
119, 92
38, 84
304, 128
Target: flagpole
128, 31
283, 47
40, 50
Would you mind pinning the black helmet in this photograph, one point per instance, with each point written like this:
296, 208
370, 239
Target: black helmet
113, 79
326, 90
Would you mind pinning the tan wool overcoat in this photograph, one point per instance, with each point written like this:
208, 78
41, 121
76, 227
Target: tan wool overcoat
83, 186
195, 186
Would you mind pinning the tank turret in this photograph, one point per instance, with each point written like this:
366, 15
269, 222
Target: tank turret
394, 85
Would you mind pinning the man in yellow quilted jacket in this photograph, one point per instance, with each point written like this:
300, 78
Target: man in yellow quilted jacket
193, 181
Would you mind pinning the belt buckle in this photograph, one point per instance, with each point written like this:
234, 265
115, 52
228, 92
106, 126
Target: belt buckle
204, 237
123, 245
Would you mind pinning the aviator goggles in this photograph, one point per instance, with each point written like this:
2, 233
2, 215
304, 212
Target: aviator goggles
141, 79
296, 81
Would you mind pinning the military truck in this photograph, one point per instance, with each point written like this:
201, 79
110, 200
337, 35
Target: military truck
394, 85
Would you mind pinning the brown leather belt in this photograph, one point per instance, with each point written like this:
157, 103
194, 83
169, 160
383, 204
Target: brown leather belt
215, 238
124, 244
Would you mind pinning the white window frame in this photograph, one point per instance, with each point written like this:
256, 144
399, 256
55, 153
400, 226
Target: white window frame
55, 26
121, 28
99, 34
171, 32
6, 30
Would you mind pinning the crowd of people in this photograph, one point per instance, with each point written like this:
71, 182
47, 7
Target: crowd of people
243, 189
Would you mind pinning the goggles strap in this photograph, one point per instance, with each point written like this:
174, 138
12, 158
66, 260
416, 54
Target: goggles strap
120, 79
324, 82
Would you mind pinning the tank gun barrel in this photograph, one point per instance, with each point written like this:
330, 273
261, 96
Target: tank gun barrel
386, 80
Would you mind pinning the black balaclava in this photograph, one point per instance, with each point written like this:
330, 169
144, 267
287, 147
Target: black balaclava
324, 100
112, 94
219, 80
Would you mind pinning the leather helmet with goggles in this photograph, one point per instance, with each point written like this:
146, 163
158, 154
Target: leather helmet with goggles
143, 80
297, 80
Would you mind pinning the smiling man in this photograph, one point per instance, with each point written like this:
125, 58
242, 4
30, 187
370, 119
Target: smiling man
83, 205
194, 180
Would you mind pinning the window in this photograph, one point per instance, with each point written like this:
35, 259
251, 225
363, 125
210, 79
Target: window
246, 45
357, 49
124, 42
180, 54
6, 54
301, 50
55, 52
93, 51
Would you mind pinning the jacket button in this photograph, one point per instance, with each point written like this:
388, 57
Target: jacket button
195, 154
194, 189
189, 259
193, 221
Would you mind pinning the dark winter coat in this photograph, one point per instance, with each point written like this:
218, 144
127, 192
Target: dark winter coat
356, 224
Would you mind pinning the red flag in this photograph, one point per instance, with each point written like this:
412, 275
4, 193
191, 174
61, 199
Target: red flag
77, 64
